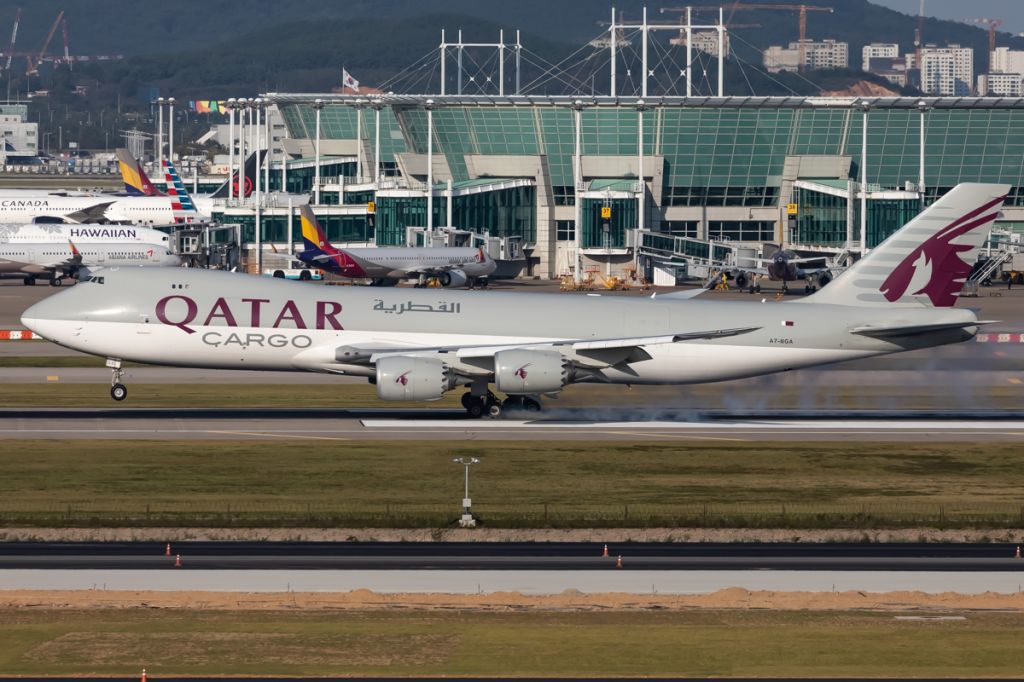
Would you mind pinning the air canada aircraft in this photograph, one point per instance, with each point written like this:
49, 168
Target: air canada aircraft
418, 344
452, 266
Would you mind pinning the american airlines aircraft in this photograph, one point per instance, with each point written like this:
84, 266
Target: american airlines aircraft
417, 344
452, 266
57, 251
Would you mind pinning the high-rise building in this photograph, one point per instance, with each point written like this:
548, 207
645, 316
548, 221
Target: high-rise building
947, 70
876, 50
827, 54
1005, 60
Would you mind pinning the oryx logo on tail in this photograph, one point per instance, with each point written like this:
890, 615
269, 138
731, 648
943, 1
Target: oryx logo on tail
935, 268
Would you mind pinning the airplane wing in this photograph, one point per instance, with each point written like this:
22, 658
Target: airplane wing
70, 264
93, 214
589, 353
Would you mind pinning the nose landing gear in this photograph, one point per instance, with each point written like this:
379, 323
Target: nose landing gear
118, 391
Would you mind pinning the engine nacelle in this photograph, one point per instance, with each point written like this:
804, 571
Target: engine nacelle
453, 278
527, 372
412, 378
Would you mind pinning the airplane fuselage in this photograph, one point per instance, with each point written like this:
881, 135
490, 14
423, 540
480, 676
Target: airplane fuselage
89, 209
232, 321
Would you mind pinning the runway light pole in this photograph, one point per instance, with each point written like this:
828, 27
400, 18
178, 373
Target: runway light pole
467, 520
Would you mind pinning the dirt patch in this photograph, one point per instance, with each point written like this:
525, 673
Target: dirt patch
571, 600
599, 536
104, 649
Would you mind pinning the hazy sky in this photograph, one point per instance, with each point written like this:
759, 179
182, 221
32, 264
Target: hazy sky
1010, 11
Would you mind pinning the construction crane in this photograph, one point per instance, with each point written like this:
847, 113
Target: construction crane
803, 9
993, 25
14, 39
33, 66
64, 31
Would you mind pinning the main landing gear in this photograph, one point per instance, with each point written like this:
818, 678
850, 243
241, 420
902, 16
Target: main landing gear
489, 404
118, 391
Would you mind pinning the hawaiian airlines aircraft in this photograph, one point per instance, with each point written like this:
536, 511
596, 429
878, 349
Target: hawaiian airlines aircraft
58, 251
453, 267
417, 344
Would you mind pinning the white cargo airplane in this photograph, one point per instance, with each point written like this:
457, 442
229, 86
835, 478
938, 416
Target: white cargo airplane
58, 251
416, 344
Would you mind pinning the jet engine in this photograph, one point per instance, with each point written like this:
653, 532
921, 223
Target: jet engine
824, 278
453, 278
526, 372
413, 378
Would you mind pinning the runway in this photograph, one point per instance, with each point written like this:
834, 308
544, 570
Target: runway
559, 424
483, 568
514, 557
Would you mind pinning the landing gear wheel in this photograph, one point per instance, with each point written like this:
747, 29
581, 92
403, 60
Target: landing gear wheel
29, 281
531, 405
751, 290
56, 281
494, 411
758, 288
513, 402
119, 392
807, 289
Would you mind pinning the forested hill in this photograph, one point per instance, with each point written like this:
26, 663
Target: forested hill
214, 49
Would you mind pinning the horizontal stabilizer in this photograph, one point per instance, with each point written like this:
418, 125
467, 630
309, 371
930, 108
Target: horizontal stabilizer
889, 331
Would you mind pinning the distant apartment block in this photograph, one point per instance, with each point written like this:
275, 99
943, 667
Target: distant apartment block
705, 41
878, 51
1000, 84
20, 136
947, 70
827, 54
1005, 60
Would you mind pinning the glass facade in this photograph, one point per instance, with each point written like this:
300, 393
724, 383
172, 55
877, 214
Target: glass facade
822, 218
623, 217
742, 230
710, 156
339, 228
501, 213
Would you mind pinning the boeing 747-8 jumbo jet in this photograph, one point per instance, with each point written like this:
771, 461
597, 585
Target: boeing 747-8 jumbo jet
418, 344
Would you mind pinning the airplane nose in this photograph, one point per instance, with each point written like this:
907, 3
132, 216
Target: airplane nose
50, 317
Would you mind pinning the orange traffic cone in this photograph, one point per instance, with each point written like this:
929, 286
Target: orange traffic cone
177, 561
1016, 555
605, 551
167, 550
618, 562
143, 679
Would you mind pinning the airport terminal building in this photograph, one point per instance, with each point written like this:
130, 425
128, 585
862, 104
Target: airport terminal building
563, 174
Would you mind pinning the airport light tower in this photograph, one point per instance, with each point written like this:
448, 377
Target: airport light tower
318, 106
467, 520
